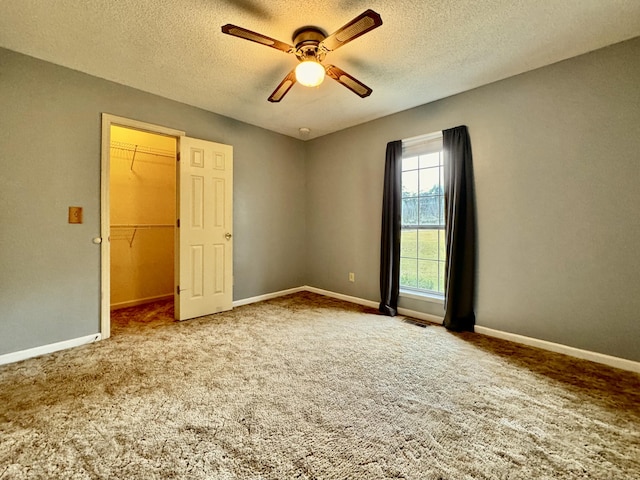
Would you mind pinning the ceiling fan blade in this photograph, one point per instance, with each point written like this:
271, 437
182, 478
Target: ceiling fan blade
285, 85
256, 37
342, 77
360, 25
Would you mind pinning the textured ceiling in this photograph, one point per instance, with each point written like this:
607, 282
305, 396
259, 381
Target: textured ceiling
425, 49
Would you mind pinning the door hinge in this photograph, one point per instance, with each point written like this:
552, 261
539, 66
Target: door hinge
178, 223
177, 289
177, 156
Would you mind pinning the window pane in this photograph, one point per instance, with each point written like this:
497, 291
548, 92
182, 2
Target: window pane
408, 273
422, 244
441, 277
429, 210
409, 243
410, 211
428, 275
428, 244
409, 163
410, 183
430, 181
430, 160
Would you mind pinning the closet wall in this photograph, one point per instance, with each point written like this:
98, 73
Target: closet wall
143, 212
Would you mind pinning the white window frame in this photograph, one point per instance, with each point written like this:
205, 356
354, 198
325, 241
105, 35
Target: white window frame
412, 147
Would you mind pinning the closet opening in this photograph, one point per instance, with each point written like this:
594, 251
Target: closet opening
142, 223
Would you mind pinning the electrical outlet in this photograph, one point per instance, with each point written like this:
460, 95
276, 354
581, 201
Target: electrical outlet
352, 277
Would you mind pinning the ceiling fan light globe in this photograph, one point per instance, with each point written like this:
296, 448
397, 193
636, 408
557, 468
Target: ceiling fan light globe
310, 73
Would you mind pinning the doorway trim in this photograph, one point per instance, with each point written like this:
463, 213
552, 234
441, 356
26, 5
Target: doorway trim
105, 228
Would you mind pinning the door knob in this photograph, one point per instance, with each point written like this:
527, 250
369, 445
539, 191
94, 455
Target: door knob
227, 236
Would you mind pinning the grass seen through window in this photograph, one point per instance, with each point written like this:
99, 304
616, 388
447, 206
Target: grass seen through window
422, 250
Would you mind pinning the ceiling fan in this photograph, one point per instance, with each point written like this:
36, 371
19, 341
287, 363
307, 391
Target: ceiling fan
310, 46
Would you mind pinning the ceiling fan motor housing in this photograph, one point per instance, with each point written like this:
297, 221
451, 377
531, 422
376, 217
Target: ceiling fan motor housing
306, 41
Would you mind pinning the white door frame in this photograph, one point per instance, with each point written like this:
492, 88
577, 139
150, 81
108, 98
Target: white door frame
105, 249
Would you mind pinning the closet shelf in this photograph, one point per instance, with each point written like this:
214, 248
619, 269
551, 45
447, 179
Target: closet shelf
140, 226
136, 149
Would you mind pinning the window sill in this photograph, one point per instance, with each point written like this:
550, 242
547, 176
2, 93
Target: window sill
425, 297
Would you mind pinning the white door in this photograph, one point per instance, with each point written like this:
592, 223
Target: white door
204, 245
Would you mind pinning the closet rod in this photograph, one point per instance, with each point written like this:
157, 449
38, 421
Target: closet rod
142, 225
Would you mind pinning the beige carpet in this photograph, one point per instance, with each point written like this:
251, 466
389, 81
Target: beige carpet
307, 387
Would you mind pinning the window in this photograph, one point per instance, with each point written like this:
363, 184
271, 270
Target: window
422, 244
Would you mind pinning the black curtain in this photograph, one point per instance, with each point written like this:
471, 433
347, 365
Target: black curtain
390, 241
460, 230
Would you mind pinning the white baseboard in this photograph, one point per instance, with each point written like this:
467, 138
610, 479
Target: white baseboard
616, 362
44, 349
340, 296
370, 303
267, 296
140, 301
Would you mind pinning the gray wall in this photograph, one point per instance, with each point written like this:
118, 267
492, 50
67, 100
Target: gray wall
50, 125
556, 156
556, 164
